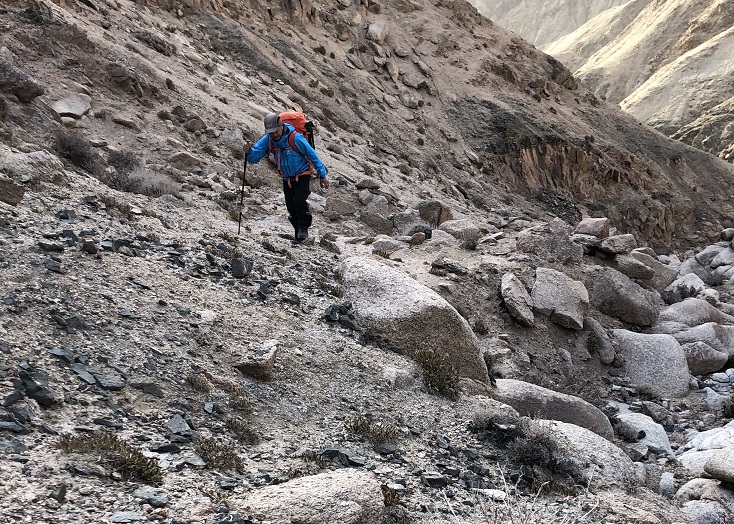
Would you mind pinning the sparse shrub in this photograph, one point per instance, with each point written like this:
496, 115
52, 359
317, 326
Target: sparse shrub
391, 497
153, 184
242, 430
499, 428
227, 237
72, 146
438, 375
161, 219
199, 383
218, 456
123, 161
375, 432
235, 391
127, 460
164, 115
480, 328
539, 447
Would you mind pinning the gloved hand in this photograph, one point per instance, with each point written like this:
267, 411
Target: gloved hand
246, 148
324, 183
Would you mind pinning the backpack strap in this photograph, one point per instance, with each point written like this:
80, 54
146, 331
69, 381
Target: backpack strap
276, 151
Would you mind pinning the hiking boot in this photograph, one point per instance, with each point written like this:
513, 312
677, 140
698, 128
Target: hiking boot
301, 234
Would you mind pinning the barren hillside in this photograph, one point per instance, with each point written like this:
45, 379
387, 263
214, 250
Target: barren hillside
515, 302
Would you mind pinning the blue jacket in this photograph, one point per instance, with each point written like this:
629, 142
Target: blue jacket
291, 162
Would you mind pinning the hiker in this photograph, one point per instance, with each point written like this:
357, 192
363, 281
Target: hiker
296, 161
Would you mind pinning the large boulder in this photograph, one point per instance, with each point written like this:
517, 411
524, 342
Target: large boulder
663, 276
655, 436
410, 317
434, 212
655, 362
531, 400
598, 227
560, 298
37, 166
702, 358
551, 242
603, 458
346, 496
16, 82
517, 299
633, 268
618, 296
686, 286
692, 312
464, 230
618, 244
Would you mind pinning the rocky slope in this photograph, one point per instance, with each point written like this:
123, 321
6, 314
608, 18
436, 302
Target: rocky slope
157, 365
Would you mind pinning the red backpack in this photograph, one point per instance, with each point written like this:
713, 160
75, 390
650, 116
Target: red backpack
302, 126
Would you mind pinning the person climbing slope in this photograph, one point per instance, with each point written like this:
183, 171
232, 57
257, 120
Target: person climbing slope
296, 162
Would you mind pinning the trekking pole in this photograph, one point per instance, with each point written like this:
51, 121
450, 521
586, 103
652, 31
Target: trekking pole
242, 194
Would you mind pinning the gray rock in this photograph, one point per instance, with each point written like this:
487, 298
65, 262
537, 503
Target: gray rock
663, 274
109, 382
346, 496
434, 212
260, 362
705, 512
618, 244
598, 227
147, 385
156, 497
531, 400
122, 517
15, 81
656, 362
694, 461
75, 106
185, 161
368, 183
686, 286
598, 341
386, 246
233, 139
409, 316
37, 166
693, 266
517, 299
667, 484
587, 242
727, 234
702, 358
720, 466
724, 258
378, 31
616, 295
604, 458
655, 436
560, 298
633, 268
693, 312
550, 242
705, 257
10, 192
340, 205
464, 230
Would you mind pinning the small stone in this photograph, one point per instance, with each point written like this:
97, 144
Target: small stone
259, 364
108, 382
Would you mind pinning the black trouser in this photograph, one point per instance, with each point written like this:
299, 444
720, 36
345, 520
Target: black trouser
295, 200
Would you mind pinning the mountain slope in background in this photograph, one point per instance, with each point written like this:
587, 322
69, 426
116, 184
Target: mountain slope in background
667, 62
541, 22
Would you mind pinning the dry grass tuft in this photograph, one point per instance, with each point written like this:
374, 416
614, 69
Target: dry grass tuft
375, 432
124, 458
439, 376
199, 382
218, 456
242, 430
